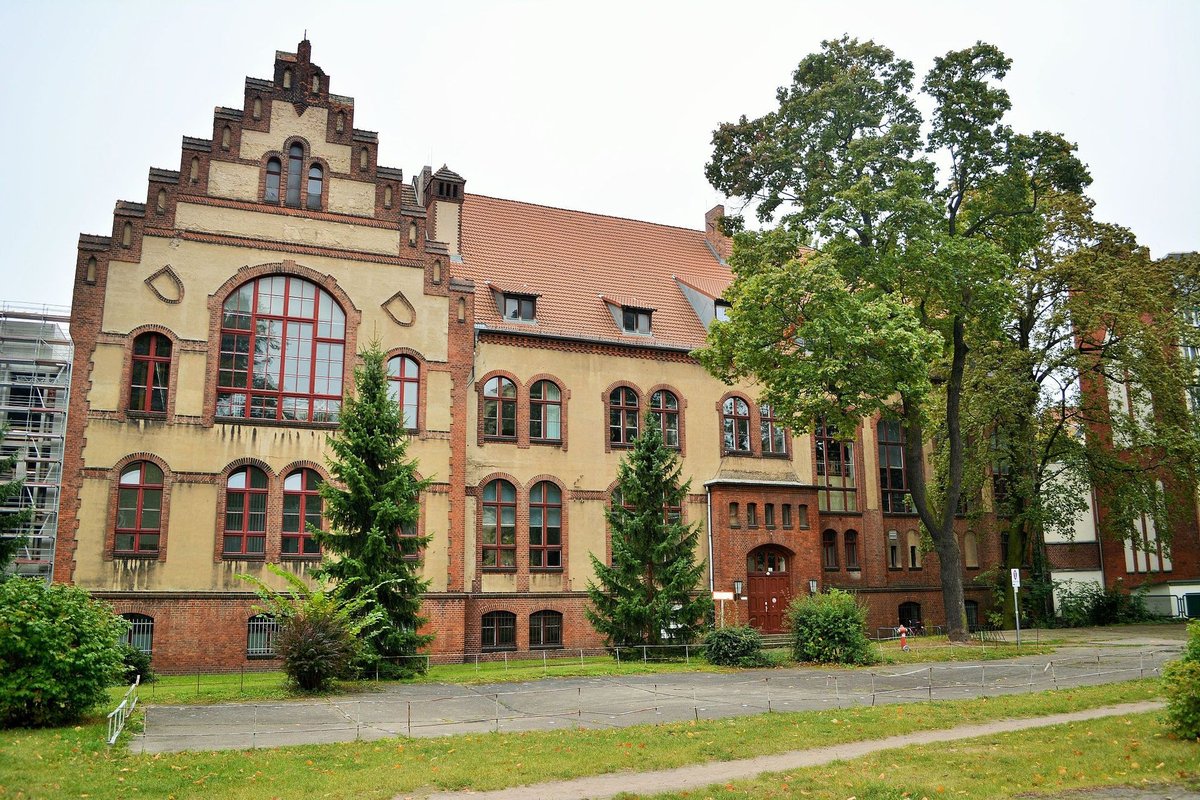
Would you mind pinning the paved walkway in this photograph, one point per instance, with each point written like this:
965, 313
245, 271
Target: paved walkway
694, 776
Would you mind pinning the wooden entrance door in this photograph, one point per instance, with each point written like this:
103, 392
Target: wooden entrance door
768, 590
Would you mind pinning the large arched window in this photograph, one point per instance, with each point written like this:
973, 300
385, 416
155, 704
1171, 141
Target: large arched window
500, 409
545, 412
545, 526
735, 421
139, 509
141, 632
545, 630
246, 513
151, 373
623, 409
294, 174
499, 631
404, 383
499, 525
316, 179
302, 508
283, 340
271, 188
774, 442
664, 406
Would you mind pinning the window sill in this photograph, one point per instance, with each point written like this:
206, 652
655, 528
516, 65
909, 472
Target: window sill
737, 454
143, 556
619, 446
900, 513
853, 569
777, 455
544, 570
914, 569
504, 649
300, 556
503, 570
274, 423
551, 442
545, 647
261, 656
136, 414
833, 569
509, 439
243, 556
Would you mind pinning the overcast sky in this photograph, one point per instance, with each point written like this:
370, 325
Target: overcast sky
605, 107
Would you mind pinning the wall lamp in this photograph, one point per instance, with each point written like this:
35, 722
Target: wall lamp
812, 587
737, 589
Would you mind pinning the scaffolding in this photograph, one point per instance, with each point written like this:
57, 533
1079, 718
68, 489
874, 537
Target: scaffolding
35, 382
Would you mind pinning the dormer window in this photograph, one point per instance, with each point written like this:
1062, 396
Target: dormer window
520, 307
635, 320
722, 311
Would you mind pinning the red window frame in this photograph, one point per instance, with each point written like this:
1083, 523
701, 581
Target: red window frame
303, 382
404, 375
150, 375
499, 408
664, 405
545, 538
498, 631
540, 405
498, 536
246, 509
139, 509
302, 505
735, 425
624, 407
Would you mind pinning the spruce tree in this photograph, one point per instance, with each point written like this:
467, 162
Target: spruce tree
10, 545
373, 497
649, 590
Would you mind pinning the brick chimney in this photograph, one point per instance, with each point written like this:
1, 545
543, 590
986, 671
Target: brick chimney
721, 244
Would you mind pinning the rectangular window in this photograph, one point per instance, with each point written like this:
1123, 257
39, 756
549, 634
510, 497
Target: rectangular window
835, 470
751, 515
734, 520
892, 483
893, 550
635, 321
851, 539
785, 511
802, 516
519, 307
769, 515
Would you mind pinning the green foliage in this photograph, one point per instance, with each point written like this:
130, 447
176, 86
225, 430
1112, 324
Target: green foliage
374, 495
734, 646
830, 628
59, 650
1084, 603
320, 634
10, 545
136, 663
646, 595
1181, 685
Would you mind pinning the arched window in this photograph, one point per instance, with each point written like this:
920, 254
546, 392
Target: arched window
364, 158
316, 179
151, 373
500, 409
141, 632
90, 276
835, 470
287, 79
256, 109
139, 509
829, 550
160, 203
271, 188
127, 234
909, 614
194, 170
387, 197
766, 561
412, 234
295, 171
226, 137
664, 406
302, 507
499, 525
316, 83
404, 383
734, 519
914, 550
282, 345
545, 630
622, 416
246, 513
340, 122
774, 443
499, 631
545, 526
260, 636
971, 550
735, 421
892, 483
851, 540
545, 412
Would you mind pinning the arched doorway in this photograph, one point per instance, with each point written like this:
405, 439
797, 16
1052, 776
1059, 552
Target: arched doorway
769, 588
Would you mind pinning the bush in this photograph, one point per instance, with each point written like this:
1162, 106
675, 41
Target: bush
136, 662
830, 628
1086, 603
1181, 685
59, 650
735, 646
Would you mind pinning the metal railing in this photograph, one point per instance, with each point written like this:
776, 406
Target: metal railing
118, 716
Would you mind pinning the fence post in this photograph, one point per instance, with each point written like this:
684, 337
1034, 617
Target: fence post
581, 658
410, 719
644, 659
1141, 665
931, 683
982, 674
242, 689
497, 699
767, 681
695, 705
543, 662
506, 662
254, 729
687, 658
618, 655
197, 681
872, 688
656, 698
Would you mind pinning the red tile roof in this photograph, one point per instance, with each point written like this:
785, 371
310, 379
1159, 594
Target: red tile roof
575, 261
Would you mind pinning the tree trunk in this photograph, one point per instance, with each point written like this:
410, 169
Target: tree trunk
953, 599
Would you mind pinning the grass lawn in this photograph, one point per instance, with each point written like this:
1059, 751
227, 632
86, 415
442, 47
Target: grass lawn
73, 762
1133, 750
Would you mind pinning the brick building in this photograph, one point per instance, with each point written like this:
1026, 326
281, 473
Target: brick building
215, 330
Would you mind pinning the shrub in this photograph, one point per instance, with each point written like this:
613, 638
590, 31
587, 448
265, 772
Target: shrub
735, 646
136, 662
1181, 685
830, 628
59, 650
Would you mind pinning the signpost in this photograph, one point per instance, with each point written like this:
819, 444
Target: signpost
1016, 584
722, 596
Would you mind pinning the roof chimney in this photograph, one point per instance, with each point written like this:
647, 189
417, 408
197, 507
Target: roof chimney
721, 244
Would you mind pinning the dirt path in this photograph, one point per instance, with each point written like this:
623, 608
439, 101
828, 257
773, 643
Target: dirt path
698, 775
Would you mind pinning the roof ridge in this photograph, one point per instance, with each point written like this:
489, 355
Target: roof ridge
588, 213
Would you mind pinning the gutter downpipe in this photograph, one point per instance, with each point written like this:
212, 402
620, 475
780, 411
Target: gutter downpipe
711, 573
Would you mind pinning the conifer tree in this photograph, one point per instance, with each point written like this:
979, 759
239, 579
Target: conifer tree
374, 496
648, 591
10, 545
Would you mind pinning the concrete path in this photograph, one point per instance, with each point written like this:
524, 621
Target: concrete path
695, 776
